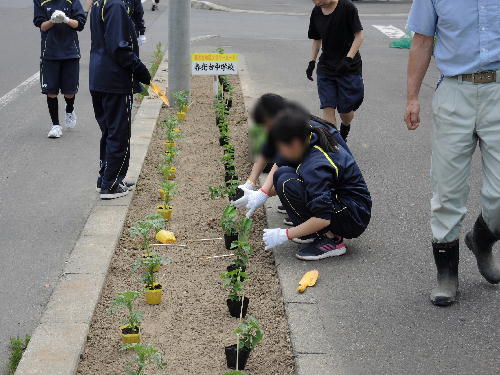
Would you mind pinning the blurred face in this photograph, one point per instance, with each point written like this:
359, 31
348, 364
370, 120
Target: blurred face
292, 151
323, 3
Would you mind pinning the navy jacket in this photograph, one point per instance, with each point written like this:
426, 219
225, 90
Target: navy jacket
136, 12
334, 185
61, 41
114, 53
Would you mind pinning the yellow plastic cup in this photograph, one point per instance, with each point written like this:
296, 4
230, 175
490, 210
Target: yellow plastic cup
130, 338
153, 297
181, 116
165, 212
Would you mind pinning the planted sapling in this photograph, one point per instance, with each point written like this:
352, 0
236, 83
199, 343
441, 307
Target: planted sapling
146, 355
132, 323
234, 281
151, 265
241, 248
229, 224
145, 228
167, 189
249, 336
181, 99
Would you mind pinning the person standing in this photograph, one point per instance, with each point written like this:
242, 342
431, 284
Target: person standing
136, 12
115, 73
335, 28
59, 21
466, 111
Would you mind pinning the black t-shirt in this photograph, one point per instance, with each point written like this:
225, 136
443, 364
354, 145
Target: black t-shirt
336, 31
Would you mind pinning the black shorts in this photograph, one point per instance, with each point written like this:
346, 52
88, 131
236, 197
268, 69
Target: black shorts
345, 93
60, 75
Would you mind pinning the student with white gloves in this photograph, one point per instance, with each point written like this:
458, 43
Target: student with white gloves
59, 21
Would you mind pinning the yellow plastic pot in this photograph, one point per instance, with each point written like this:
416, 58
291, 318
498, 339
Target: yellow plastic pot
162, 194
153, 296
166, 237
177, 130
170, 173
181, 116
130, 338
184, 108
157, 268
169, 146
164, 211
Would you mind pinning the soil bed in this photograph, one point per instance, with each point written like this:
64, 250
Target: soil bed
192, 325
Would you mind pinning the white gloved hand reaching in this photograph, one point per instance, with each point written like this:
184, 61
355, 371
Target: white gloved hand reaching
251, 200
275, 237
249, 185
142, 39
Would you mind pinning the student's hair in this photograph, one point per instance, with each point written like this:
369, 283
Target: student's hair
268, 106
293, 123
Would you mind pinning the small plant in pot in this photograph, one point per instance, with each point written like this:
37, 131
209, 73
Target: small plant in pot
229, 224
166, 164
234, 281
151, 264
146, 356
229, 190
170, 124
241, 247
146, 229
220, 112
249, 336
223, 134
167, 192
131, 324
181, 99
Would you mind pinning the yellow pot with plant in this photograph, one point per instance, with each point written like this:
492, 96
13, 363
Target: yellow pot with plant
154, 296
169, 173
181, 116
169, 145
165, 211
130, 330
128, 336
153, 291
157, 268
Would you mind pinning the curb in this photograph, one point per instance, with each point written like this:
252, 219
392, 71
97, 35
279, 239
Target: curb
58, 341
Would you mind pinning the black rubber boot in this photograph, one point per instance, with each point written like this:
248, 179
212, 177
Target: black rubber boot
344, 131
480, 241
446, 256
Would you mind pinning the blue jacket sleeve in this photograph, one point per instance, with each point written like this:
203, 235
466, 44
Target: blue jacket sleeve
39, 16
319, 183
77, 13
117, 37
138, 16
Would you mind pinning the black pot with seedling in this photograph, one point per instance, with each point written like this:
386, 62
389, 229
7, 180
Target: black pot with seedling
241, 248
234, 281
220, 113
249, 336
229, 224
130, 328
229, 190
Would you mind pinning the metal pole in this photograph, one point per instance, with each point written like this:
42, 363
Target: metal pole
179, 46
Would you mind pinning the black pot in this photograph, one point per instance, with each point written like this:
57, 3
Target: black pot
230, 176
238, 195
223, 141
235, 307
231, 357
229, 104
232, 267
228, 240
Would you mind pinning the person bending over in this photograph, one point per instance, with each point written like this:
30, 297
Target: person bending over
320, 186
335, 27
59, 21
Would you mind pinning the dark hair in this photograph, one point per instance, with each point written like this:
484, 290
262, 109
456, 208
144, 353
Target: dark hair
268, 106
293, 123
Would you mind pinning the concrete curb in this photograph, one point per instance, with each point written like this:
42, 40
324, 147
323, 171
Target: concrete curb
58, 341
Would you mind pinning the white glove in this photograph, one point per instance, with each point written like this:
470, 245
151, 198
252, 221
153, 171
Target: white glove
274, 237
59, 17
255, 200
142, 39
249, 185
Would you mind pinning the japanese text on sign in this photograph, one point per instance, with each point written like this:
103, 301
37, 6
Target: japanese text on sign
214, 63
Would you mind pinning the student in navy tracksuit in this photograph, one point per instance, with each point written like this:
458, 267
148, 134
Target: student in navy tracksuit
115, 73
59, 21
136, 12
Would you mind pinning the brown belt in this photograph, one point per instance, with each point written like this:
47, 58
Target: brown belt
488, 76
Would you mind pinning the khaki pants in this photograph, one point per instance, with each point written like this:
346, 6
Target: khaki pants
464, 114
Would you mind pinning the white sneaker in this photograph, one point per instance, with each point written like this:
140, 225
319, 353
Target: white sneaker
55, 132
70, 120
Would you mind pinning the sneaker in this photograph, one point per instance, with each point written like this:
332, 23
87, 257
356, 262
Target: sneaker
321, 249
70, 120
117, 192
55, 132
281, 210
288, 221
126, 184
304, 240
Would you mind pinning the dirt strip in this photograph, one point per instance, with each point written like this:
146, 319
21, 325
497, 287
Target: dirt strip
192, 325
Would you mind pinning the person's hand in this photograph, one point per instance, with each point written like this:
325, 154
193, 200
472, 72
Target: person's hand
251, 200
274, 237
57, 17
344, 65
142, 39
310, 70
412, 114
142, 74
249, 185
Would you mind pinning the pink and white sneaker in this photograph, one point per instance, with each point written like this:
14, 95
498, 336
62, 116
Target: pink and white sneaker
324, 248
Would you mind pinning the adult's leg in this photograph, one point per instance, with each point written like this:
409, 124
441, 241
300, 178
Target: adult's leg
454, 141
351, 92
486, 230
327, 92
100, 116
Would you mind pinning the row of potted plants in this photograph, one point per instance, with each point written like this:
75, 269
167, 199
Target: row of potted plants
149, 261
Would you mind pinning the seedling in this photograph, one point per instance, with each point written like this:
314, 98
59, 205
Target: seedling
146, 355
250, 334
228, 190
17, 348
220, 112
168, 188
158, 55
144, 229
234, 282
241, 248
181, 99
150, 264
229, 220
125, 300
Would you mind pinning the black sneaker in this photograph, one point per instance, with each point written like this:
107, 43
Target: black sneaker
117, 192
321, 249
281, 210
129, 185
288, 221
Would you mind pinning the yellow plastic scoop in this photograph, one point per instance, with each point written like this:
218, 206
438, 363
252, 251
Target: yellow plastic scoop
156, 89
309, 279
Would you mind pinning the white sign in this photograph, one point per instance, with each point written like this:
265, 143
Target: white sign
214, 63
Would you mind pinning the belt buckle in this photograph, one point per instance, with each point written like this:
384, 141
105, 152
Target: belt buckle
484, 77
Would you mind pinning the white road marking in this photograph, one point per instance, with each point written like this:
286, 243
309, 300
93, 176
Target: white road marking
392, 32
203, 37
17, 91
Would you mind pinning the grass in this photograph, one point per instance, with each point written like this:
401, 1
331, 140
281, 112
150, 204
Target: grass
17, 348
158, 56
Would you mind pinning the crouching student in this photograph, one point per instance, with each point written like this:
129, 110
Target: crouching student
320, 186
59, 21
115, 73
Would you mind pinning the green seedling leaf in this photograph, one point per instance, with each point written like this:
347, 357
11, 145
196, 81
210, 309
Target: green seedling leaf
146, 356
250, 333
